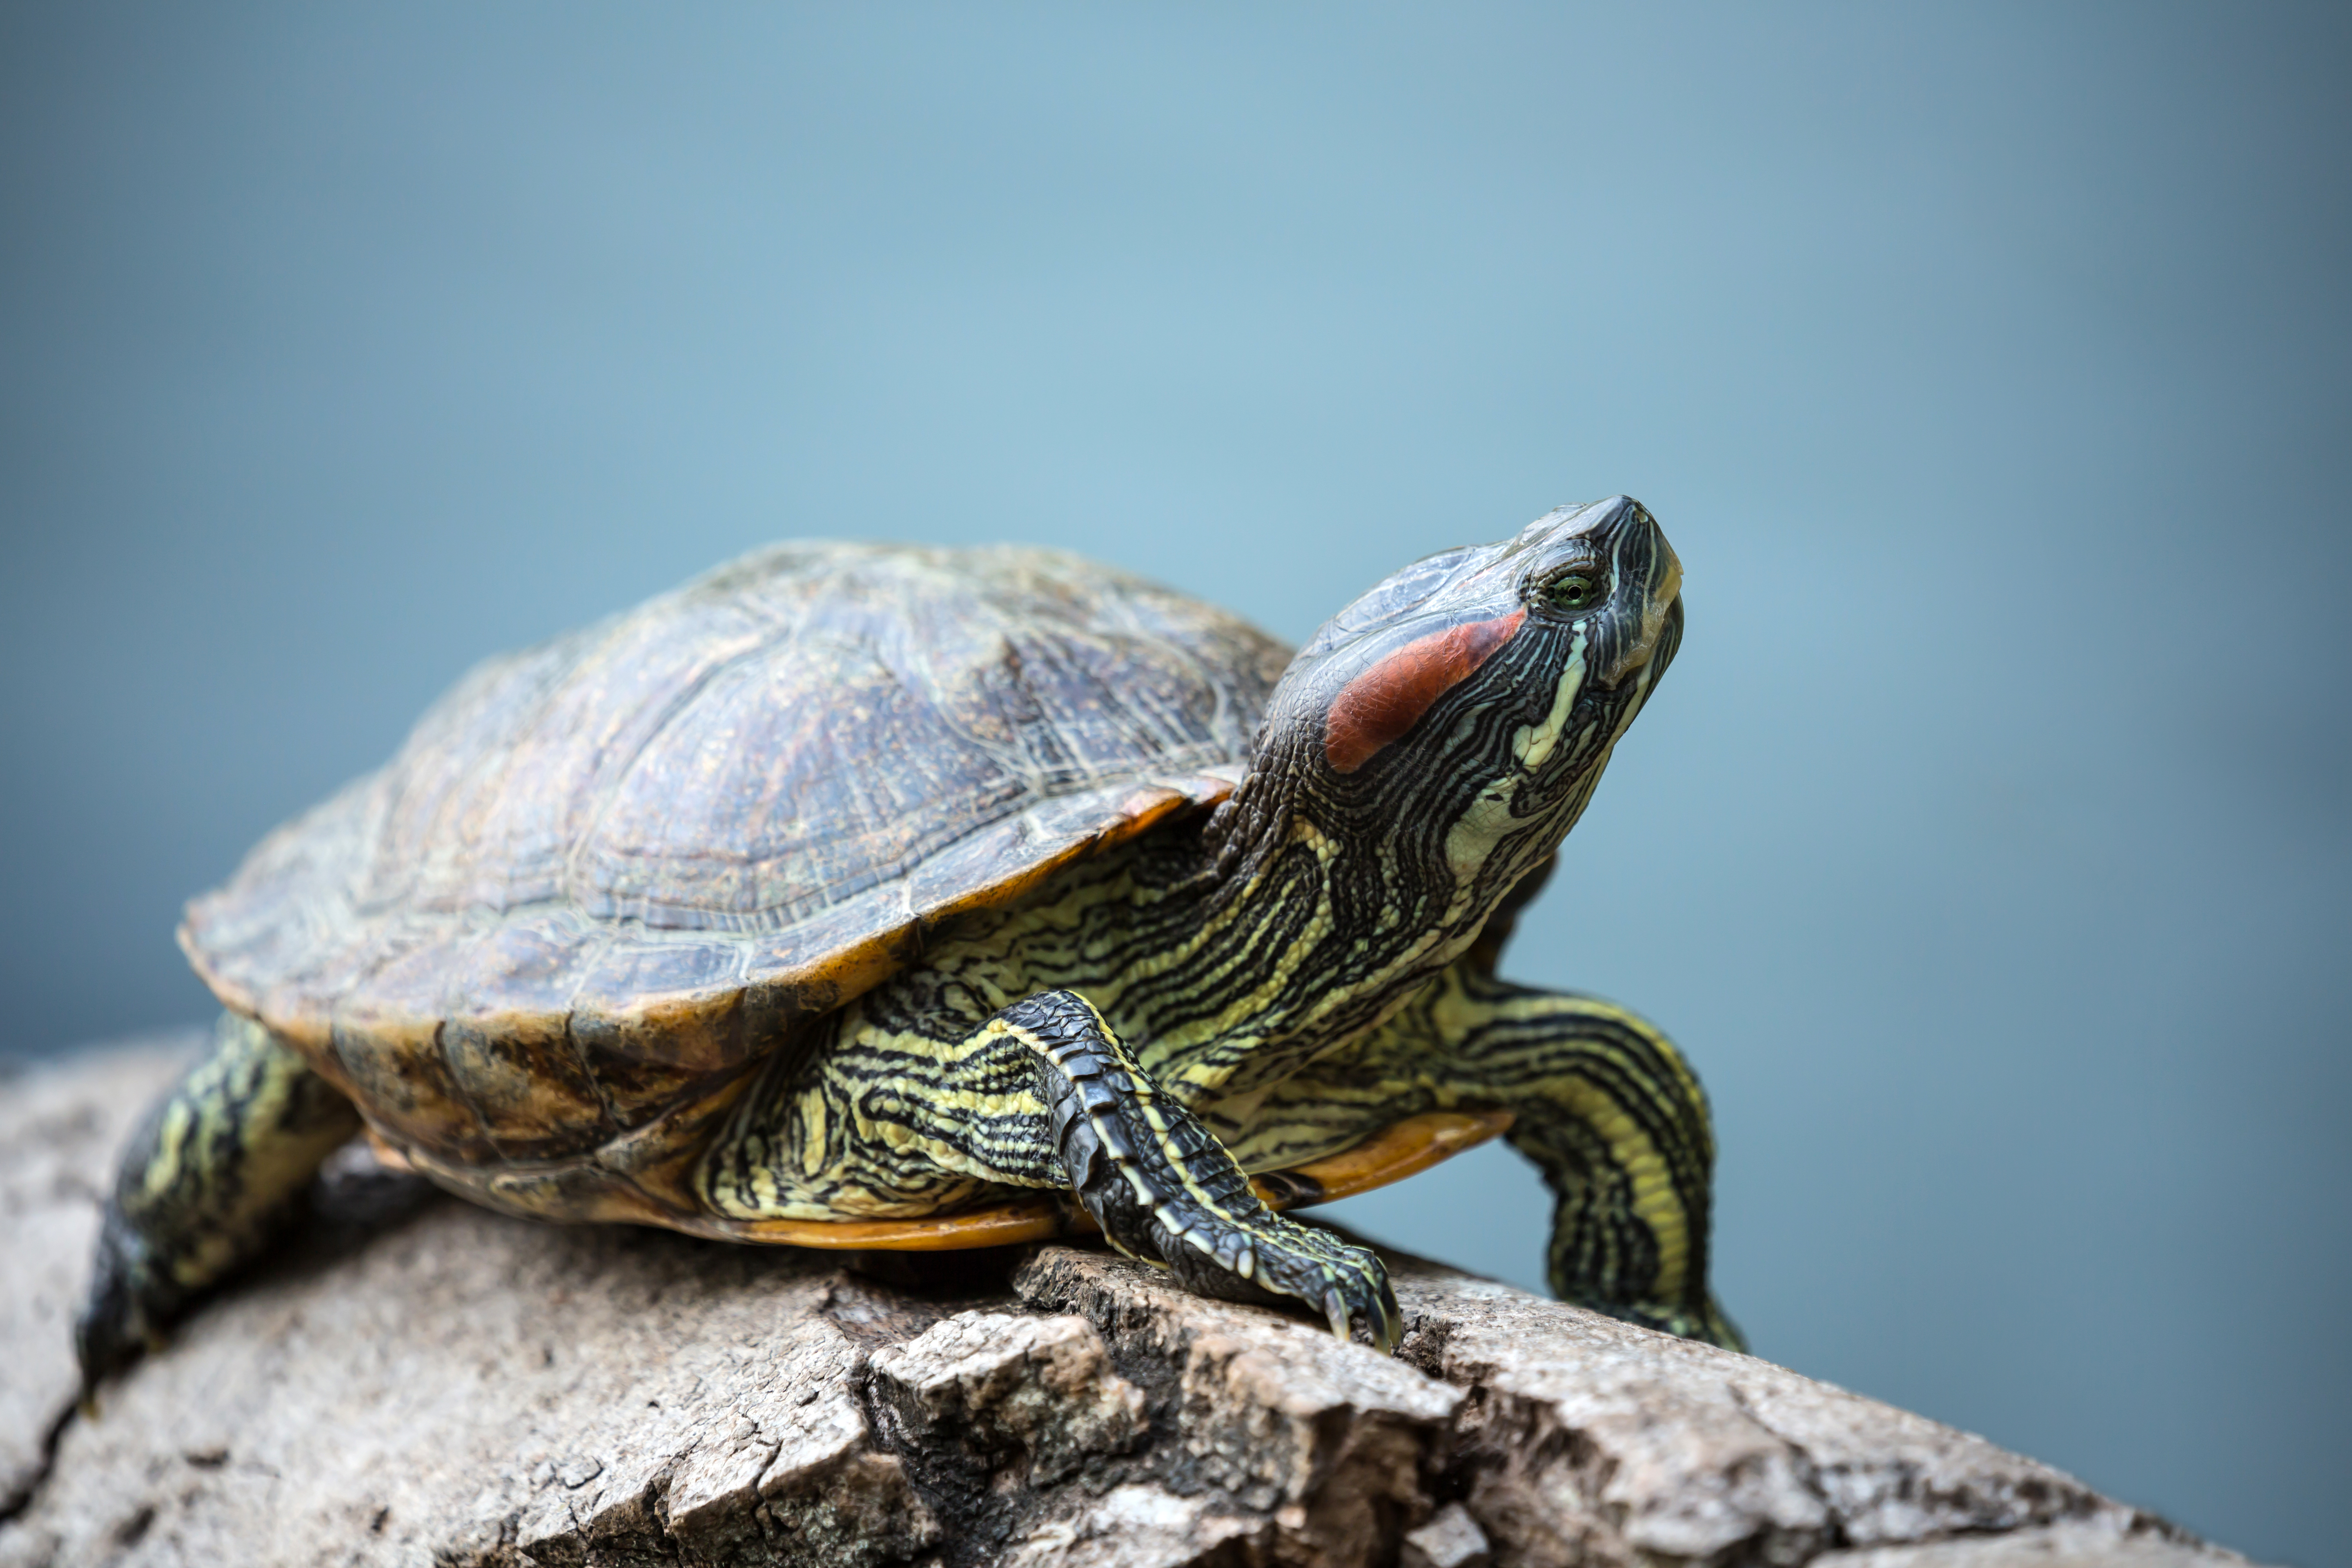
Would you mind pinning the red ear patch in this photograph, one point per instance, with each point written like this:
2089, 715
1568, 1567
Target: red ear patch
1389, 698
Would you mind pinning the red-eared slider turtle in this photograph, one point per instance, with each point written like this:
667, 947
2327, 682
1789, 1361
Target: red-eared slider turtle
909, 897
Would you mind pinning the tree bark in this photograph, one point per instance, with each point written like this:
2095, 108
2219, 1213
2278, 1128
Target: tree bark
418, 1381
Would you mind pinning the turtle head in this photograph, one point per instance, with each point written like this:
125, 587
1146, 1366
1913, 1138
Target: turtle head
1576, 616
1460, 712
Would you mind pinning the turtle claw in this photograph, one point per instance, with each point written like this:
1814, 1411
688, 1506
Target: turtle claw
1334, 1311
1389, 1331
1342, 1282
1382, 1319
1275, 1260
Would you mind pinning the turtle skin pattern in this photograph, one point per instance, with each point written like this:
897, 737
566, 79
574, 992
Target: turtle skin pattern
1177, 1197
854, 882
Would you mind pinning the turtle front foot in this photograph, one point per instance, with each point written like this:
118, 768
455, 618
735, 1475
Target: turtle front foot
1709, 1324
1277, 1260
1163, 1188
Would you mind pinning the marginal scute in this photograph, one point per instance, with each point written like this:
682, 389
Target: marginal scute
607, 875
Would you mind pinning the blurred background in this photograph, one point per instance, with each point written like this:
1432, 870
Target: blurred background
1987, 848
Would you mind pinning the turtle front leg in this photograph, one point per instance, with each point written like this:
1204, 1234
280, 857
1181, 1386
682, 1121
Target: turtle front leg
206, 1181
1043, 1094
1163, 1188
1600, 1100
1616, 1120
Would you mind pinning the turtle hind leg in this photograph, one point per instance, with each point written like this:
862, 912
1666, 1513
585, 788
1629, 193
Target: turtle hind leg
208, 1179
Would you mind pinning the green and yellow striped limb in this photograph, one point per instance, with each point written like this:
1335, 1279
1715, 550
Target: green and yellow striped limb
205, 1183
1043, 1094
1600, 1098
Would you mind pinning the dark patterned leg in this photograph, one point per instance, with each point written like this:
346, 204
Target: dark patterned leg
206, 1181
1601, 1103
1043, 1094
1161, 1187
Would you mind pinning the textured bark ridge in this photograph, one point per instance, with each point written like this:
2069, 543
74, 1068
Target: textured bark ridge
421, 1381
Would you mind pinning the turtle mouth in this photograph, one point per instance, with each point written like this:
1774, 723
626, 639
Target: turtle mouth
1659, 631
1668, 642
1639, 672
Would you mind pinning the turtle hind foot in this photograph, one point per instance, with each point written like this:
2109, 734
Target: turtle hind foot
124, 1316
211, 1173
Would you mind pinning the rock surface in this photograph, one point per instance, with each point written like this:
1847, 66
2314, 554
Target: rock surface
417, 1381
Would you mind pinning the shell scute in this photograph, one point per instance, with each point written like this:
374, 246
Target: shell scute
394, 1067
523, 1078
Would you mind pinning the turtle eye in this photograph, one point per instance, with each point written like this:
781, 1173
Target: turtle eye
1573, 591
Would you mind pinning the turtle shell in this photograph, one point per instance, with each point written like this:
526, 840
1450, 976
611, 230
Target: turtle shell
604, 876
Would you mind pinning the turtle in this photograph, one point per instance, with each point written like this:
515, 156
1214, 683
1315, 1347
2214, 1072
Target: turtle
877, 896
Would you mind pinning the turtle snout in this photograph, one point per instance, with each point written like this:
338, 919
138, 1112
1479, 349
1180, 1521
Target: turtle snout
1651, 592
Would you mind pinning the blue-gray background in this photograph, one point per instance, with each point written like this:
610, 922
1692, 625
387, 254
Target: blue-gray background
1987, 848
